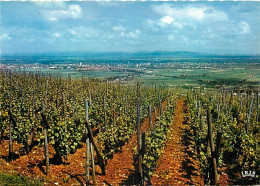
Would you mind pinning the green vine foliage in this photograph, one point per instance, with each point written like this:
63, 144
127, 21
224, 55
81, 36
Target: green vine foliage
235, 119
64, 102
157, 137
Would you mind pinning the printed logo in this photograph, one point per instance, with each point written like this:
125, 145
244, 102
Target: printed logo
248, 174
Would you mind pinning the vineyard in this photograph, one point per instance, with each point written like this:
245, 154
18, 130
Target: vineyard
226, 129
92, 131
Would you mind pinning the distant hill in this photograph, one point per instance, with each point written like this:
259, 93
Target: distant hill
153, 54
144, 54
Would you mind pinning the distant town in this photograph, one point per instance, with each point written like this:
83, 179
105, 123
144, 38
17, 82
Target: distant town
184, 72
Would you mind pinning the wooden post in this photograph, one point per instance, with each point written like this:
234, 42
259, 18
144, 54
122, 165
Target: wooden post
139, 134
45, 138
202, 122
218, 142
198, 110
150, 116
57, 98
10, 140
126, 105
86, 110
33, 114
1, 130
160, 104
143, 151
87, 143
99, 155
10, 130
93, 165
257, 107
87, 161
46, 86
22, 96
33, 117
10, 122
64, 106
114, 111
105, 114
11, 78
90, 98
212, 147
218, 109
107, 87
155, 113
25, 143
249, 115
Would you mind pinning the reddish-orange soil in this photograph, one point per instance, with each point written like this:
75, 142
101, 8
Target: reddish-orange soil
178, 165
118, 170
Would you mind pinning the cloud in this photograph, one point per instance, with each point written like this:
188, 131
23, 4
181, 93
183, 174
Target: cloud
53, 19
198, 13
74, 11
81, 33
166, 20
118, 28
178, 25
163, 22
64, 12
162, 26
197, 22
109, 3
5, 37
50, 4
133, 35
74, 32
244, 27
56, 34
163, 9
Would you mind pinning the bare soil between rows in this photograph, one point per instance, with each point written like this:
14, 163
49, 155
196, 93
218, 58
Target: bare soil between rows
178, 164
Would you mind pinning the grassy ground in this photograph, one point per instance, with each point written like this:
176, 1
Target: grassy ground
204, 77
16, 179
185, 78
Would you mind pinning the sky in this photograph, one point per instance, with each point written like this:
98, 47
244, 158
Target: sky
208, 27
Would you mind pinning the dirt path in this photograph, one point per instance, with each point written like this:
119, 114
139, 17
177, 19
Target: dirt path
178, 165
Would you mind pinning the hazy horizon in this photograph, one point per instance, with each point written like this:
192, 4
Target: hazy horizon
156, 53
224, 28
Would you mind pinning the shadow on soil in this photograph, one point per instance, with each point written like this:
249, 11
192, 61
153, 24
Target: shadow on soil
21, 152
187, 140
133, 178
77, 177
